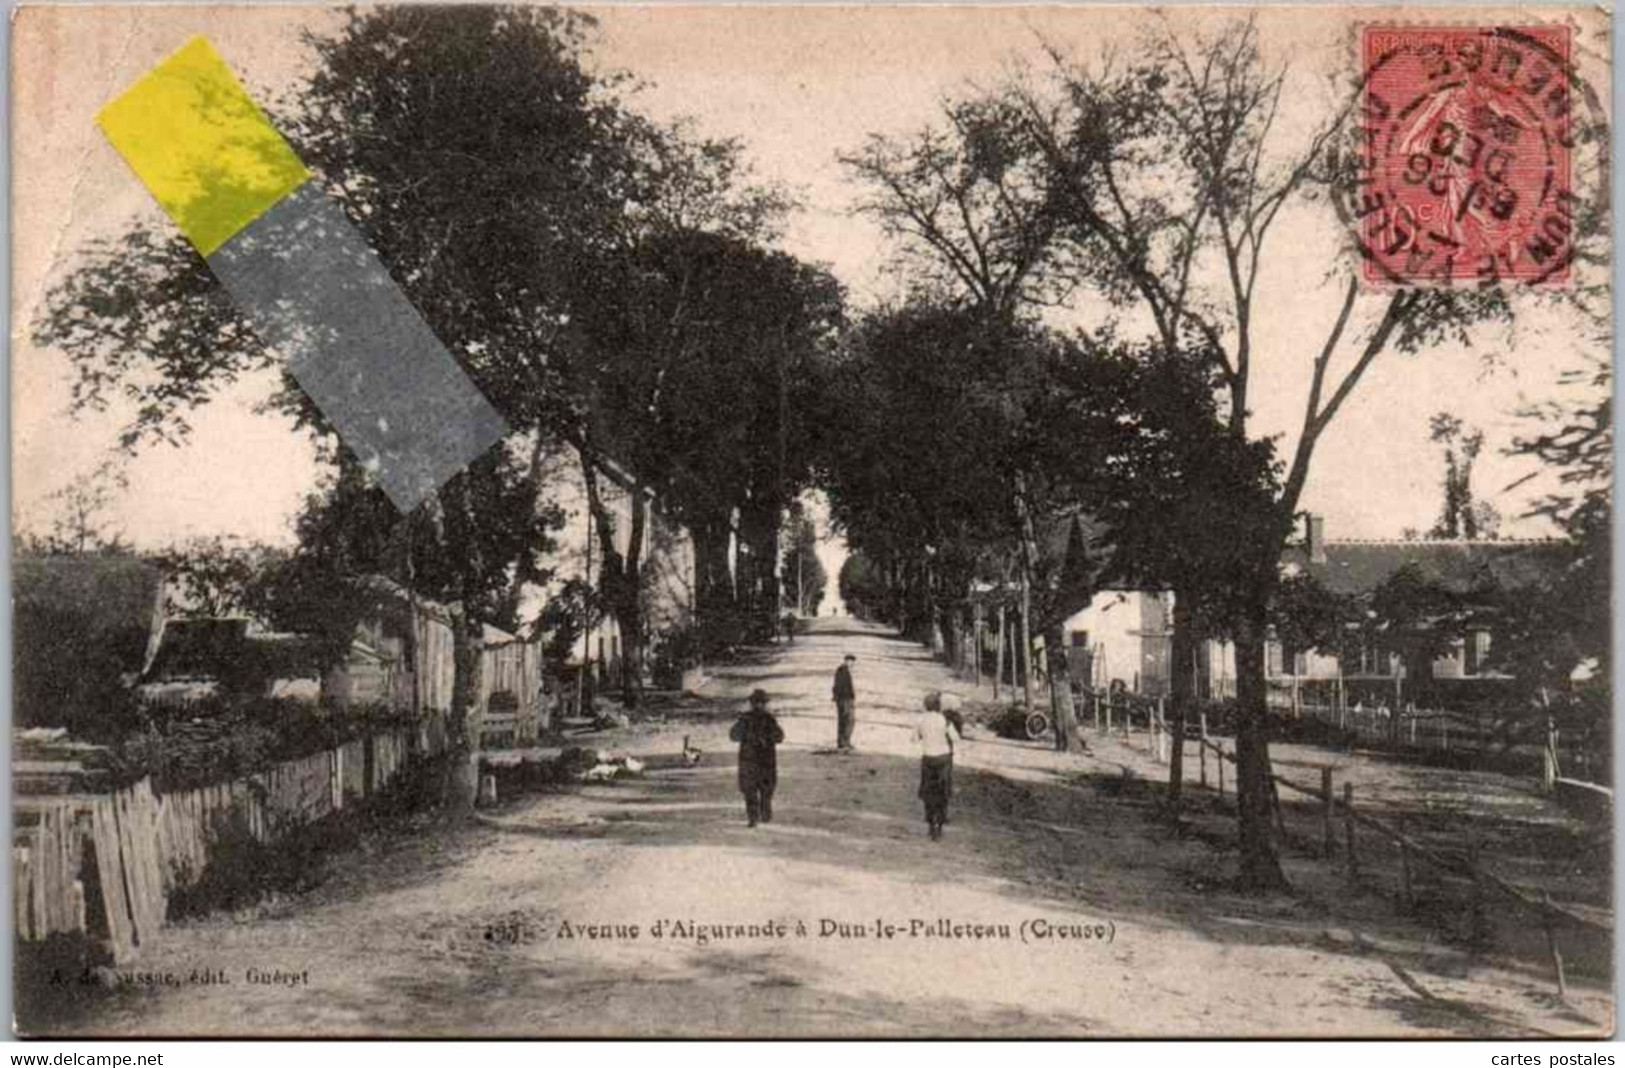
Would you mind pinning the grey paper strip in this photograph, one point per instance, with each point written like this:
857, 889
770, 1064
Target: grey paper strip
316, 293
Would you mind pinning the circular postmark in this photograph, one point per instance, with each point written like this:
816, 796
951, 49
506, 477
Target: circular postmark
1467, 163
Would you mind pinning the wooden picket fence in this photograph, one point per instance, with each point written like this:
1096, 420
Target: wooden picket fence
104, 866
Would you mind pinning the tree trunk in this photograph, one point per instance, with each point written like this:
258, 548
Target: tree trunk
1068, 739
1181, 692
1260, 870
758, 583
619, 579
713, 592
947, 620
630, 610
768, 557
1026, 643
460, 783
924, 610
998, 659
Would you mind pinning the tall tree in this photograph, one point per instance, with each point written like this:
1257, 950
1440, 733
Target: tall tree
1564, 627
489, 226
83, 516
969, 203
1461, 515
804, 575
708, 354
1154, 185
862, 586
1183, 500
211, 577
971, 443
1171, 177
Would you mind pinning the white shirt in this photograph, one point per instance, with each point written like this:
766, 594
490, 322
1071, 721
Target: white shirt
935, 734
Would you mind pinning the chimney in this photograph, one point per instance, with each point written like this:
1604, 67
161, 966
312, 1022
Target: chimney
1317, 538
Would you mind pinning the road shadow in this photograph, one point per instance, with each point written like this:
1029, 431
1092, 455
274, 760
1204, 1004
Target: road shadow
1083, 845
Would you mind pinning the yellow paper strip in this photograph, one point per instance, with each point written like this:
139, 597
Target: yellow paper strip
202, 146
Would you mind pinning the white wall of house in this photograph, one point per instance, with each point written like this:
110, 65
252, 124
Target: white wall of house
671, 569
1126, 635
668, 555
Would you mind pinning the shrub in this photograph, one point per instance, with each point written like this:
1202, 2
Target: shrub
222, 739
675, 652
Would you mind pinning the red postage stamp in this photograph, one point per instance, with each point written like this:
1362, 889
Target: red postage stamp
1467, 144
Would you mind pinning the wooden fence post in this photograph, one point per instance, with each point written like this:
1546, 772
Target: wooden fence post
976, 648
1404, 874
1348, 831
1326, 803
1548, 755
1201, 750
1219, 752
1551, 945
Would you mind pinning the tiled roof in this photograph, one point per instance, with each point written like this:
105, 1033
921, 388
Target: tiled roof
1358, 567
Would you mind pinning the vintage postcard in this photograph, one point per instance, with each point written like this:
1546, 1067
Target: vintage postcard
800, 522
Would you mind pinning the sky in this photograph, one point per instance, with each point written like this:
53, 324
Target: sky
797, 86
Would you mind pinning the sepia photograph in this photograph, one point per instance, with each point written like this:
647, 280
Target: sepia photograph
812, 522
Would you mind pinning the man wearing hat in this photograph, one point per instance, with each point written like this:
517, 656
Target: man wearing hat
758, 734
846, 713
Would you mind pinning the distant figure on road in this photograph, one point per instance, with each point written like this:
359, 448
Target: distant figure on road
846, 698
758, 735
936, 737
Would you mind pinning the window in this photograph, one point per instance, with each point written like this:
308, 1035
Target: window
1374, 660
1477, 651
1291, 660
1080, 639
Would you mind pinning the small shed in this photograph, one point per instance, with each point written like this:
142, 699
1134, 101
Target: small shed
220, 656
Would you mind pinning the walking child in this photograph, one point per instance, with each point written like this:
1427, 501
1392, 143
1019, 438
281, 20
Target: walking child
758, 734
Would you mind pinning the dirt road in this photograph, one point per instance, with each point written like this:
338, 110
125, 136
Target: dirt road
650, 908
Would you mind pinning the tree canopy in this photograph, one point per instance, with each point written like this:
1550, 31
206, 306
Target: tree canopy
551, 245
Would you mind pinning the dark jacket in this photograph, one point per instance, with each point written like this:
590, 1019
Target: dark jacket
843, 684
758, 735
